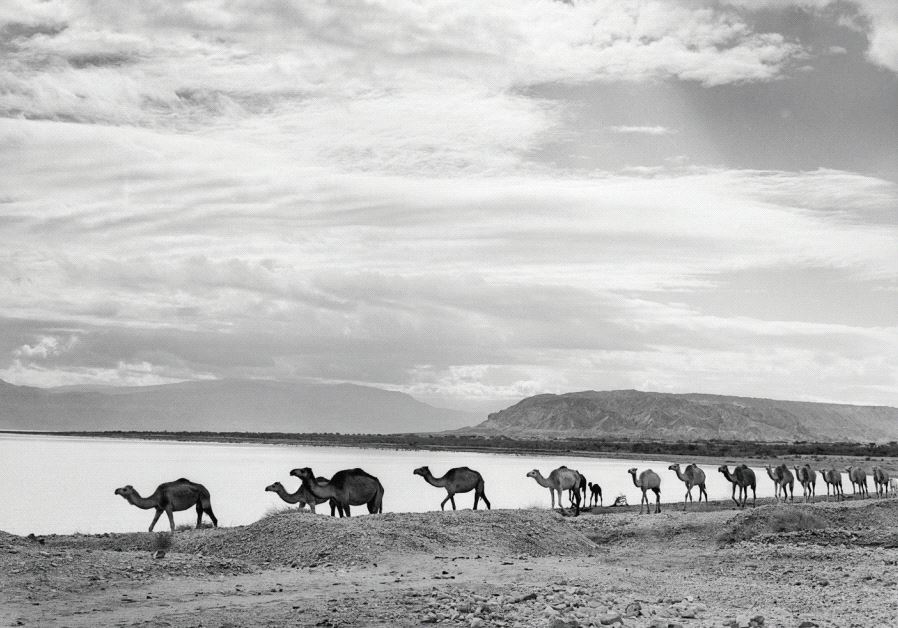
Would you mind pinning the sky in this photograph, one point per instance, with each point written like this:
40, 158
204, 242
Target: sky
467, 202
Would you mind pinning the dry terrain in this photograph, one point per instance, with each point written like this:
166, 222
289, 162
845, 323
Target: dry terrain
824, 564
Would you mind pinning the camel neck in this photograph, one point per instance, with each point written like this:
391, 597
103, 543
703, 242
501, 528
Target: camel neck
318, 490
430, 479
141, 502
290, 498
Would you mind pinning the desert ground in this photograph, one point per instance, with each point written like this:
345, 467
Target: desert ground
796, 565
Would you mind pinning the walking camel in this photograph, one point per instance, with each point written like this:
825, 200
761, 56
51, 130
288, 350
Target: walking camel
302, 496
648, 481
808, 478
787, 482
858, 478
833, 477
744, 478
693, 476
561, 479
881, 481
170, 497
349, 487
777, 488
595, 494
457, 480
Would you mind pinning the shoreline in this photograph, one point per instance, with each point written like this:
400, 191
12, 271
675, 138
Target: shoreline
393, 442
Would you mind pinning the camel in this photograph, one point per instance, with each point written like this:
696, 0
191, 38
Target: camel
808, 478
170, 497
787, 482
581, 489
744, 478
693, 476
561, 479
893, 486
349, 487
302, 496
881, 481
777, 488
858, 478
648, 481
833, 477
595, 495
457, 480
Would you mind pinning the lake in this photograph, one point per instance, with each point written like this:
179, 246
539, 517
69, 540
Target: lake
57, 484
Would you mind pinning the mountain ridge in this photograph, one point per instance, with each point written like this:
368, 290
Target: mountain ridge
224, 405
634, 414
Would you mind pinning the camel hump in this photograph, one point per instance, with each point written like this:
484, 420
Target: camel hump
183, 480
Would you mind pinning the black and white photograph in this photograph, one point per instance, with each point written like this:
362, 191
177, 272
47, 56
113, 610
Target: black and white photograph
399, 313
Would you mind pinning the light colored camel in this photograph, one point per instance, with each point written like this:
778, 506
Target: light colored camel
349, 487
858, 478
777, 487
595, 494
893, 485
302, 496
743, 478
833, 477
693, 476
881, 481
648, 481
170, 497
561, 479
808, 478
457, 480
787, 482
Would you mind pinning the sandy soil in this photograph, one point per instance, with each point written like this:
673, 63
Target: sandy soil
824, 564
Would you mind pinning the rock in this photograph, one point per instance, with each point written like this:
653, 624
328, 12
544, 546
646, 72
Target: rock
430, 618
477, 623
807, 624
756, 622
159, 554
564, 623
610, 618
634, 609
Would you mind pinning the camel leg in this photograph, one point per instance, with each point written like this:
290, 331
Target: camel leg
476, 499
346, 510
443, 503
485, 500
208, 510
171, 518
657, 500
452, 499
155, 518
199, 515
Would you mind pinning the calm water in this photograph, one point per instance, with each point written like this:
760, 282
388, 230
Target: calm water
52, 484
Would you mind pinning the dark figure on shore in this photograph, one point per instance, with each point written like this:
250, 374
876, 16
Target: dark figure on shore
457, 480
170, 497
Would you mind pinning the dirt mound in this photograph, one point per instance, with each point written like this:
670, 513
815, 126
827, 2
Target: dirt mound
295, 538
863, 523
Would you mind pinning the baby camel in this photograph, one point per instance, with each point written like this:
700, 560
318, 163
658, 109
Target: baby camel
648, 481
457, 480
170, 497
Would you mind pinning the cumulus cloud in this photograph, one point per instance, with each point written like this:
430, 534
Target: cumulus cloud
46, 347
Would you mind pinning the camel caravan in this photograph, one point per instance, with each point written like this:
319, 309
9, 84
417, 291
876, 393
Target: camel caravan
356, 487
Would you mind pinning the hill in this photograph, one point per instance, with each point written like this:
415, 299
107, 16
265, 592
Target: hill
223, 405
637, 415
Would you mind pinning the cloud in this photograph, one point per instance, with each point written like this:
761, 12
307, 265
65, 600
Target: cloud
642, 130
46, 347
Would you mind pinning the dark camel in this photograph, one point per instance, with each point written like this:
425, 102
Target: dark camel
302, 496
808, 479
595, 495
170, 497
457, 480
693, 476
744, 478
648, 481
349, 487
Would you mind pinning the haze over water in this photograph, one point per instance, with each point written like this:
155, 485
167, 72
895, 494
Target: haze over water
62, 485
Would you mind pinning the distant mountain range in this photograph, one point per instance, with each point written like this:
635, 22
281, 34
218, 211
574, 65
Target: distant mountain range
223, 405
635, 415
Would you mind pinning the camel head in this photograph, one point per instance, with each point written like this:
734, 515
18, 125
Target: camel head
632, 471
303, 474
274, 488
125, 491
534, 474
422, 471
674, 467
723, 469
